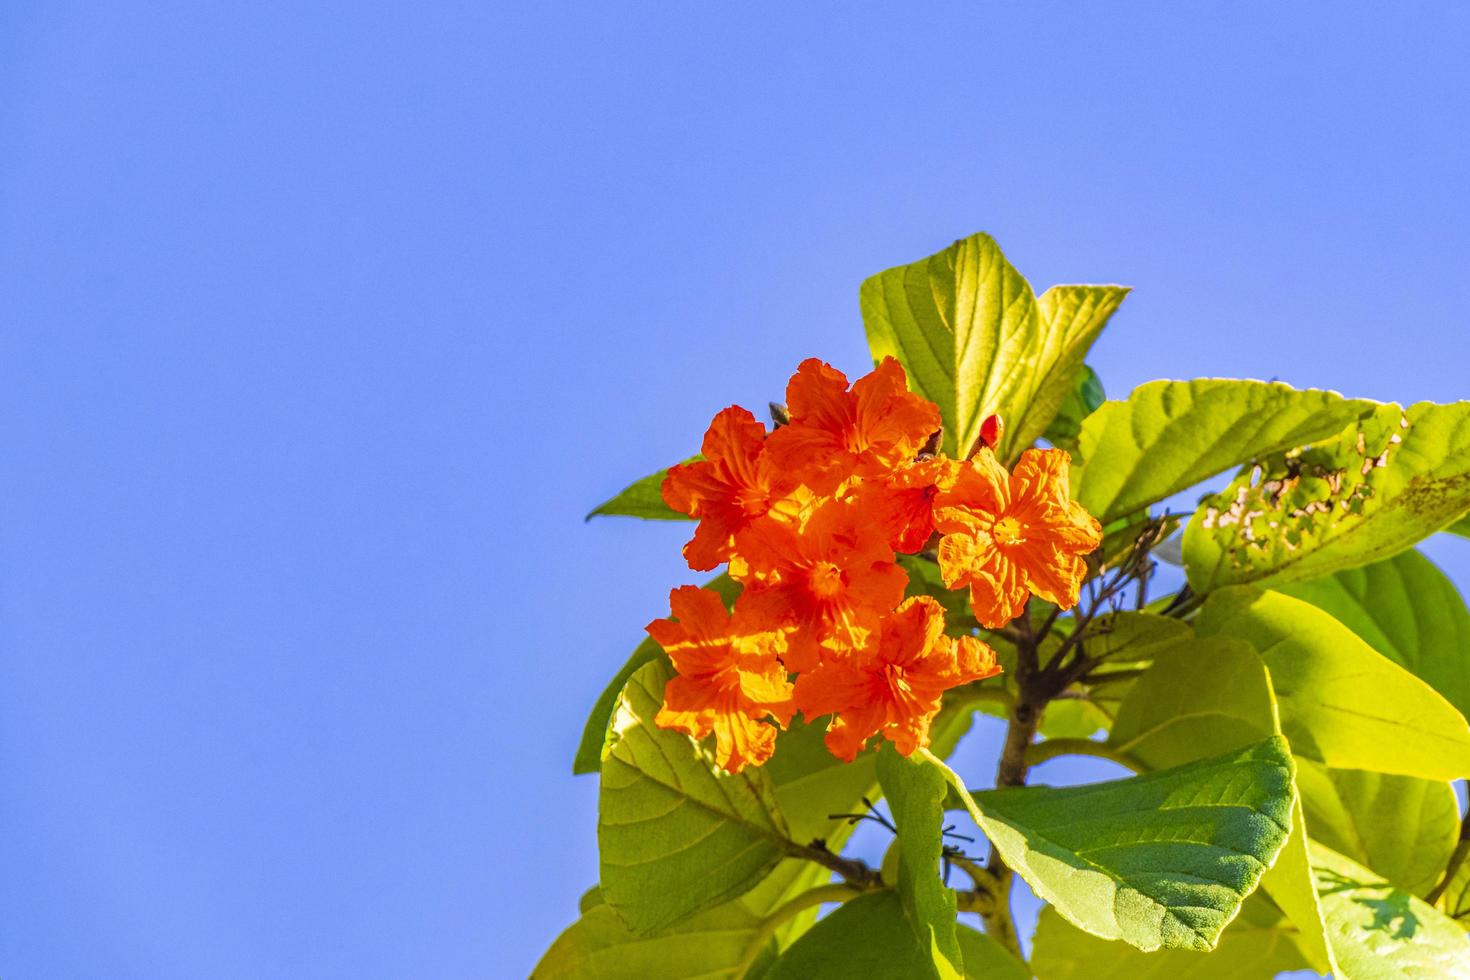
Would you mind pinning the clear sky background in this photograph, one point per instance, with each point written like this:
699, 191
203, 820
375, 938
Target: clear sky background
321, 327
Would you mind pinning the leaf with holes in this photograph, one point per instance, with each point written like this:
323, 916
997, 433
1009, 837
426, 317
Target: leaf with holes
975, 340
675, 833
1167, 436
1373, 490
1159, 860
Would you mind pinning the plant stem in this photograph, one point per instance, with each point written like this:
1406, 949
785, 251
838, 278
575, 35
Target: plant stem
856, 874
1053, 747
807, 899
1025, 717
1459, 856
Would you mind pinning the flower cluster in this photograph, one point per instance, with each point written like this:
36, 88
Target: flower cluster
810, 519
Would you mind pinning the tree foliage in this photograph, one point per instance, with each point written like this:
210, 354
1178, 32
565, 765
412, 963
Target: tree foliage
1294, 716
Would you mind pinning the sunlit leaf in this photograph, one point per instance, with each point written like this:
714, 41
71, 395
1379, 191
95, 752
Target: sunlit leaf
974, 340
868, 938
675, 833
643, 498
1373, 490
1167, 436
1380, 932
1158, 860
599, 946
915, 793
594, 732
1409, 611
1342, 703
1261, 942
1402, 827
1082, 399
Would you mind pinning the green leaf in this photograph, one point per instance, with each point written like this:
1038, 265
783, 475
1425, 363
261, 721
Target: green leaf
598, 946
1461, 527
1342, 703
1071, 319
1169, 435
1159, 860
1409, 611
1208, 696
1372, 491
868, 938
1081, 400
643, 498
972, 336
1261, 942
1379, 931
1402, 827
675, 833
594, 732
1201, 697
915, 792
986, 959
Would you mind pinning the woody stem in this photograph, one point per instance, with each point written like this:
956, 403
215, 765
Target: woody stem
1020, 732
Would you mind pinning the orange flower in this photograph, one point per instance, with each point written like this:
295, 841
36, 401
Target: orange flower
835, 433
903, 501
1010, 535
730, 678
896, 685
733, 485
831, 579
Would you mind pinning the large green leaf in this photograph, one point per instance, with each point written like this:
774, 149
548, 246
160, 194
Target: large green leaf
986, 959
1261, 942
1159, 860
1201, 697
1370, 492
594, 732
974, 340
1409, 611
915, 792
1208, 696
1380, 932
1084, 398
1167, 436
599, 946
642, 498
1342, 703
1402, 827
675, 833
869, 938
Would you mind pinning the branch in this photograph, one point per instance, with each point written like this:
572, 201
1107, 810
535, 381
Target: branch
1054, 747
857, 874
1459, 856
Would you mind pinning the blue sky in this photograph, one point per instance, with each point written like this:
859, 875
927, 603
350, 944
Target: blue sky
323, 326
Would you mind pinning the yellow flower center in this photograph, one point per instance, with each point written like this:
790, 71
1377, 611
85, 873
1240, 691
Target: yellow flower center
827, 579
1008, 531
